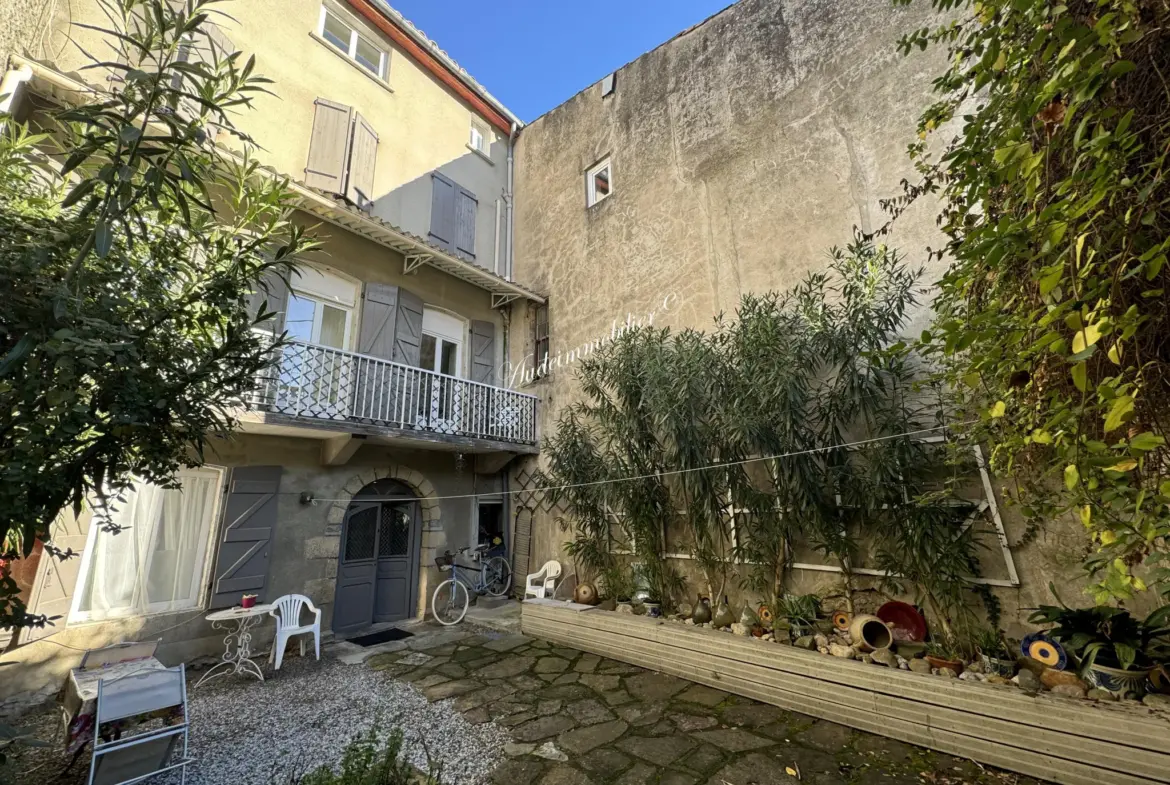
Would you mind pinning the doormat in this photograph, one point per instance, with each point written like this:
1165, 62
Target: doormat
374, 638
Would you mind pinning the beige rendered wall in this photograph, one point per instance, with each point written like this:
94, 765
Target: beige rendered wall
422, 125
742, 150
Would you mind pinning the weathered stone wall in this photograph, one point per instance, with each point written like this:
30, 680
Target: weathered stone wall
742, 151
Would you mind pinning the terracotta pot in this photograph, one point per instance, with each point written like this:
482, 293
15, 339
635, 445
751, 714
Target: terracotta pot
585, 594
869, 633
702, 612
940, 663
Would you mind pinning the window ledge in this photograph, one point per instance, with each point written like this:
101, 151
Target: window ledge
361, 68
481, 154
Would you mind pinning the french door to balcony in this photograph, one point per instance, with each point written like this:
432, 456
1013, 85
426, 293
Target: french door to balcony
314, 380
441, 351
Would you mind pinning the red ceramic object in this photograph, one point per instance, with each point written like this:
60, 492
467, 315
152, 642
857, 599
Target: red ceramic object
907, 624
249, 601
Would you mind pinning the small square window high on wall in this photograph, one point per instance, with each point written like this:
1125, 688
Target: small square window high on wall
598, 182
479, 138
345, 37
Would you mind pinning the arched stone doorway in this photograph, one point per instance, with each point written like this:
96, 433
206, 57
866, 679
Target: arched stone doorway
378, 564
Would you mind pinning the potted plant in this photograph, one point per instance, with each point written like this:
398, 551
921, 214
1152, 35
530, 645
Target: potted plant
1116, 651
800, 611
995, 652
945, 654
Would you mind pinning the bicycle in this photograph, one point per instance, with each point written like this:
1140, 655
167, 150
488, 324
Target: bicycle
452, 596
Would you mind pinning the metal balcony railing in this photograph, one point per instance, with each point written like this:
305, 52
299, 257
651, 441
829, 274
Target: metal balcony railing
320, 383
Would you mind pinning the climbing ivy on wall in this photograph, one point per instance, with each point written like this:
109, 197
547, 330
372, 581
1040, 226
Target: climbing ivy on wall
1053, 321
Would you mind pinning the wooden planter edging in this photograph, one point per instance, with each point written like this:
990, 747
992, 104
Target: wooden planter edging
1065, 740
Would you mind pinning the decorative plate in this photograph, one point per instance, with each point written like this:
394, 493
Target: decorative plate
1043, 649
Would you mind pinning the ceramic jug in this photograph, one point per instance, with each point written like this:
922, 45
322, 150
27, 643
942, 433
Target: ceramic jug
723, 616
702, 612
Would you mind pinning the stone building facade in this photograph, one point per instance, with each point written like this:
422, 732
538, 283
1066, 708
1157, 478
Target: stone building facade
736, 155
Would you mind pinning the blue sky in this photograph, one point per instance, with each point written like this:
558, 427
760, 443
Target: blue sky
536, 54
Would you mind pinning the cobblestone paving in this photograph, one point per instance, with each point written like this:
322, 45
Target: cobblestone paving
577, 718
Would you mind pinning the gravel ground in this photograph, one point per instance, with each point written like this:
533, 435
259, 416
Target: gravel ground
244, 732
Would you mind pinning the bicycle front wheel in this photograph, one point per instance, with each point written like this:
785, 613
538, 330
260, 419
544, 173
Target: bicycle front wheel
449, 602
497, 576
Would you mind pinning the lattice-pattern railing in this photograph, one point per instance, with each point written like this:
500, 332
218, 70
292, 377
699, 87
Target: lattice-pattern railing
312, 381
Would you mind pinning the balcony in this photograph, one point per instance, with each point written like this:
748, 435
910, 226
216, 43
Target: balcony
355, 393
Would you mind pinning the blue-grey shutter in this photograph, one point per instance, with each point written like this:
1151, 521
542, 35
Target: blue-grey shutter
250, 508
408, 328
377, 387
376, 337
465, 209
443, 193
483, 352
270, 295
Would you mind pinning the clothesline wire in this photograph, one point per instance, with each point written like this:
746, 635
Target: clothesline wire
653, 475
671, 472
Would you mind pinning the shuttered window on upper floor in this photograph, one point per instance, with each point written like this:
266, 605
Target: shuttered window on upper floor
343, 151
453, 213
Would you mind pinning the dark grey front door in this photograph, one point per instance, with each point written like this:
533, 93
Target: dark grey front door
377, 577
397, 561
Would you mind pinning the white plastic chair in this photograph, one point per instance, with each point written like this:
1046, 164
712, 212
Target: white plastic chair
287, 612
542, 584
142, 755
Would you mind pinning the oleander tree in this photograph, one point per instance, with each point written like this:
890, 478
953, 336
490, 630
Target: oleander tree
131, 247
1049, 148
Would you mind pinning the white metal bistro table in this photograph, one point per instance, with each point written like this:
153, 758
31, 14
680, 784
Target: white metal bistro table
237, 644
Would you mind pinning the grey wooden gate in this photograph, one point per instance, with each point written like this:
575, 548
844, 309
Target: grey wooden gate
377, 577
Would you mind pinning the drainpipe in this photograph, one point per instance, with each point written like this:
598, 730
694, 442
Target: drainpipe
509, 197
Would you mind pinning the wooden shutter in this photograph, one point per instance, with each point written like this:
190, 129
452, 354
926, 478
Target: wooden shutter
465, 209
363, 153
56, 580
483, 352
329, 147
408, 328
271, 295
443, 193
376, 338
250, 508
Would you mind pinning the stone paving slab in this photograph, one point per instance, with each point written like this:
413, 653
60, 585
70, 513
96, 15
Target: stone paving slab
581, 719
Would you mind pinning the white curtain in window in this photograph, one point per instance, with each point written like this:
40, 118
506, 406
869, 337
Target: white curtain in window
156, 562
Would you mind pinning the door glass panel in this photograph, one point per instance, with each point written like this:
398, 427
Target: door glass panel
426, 353
360, 531
447, 361
394, 531
333, 326
299, 318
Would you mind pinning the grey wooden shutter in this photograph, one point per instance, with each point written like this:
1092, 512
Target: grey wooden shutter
465, 209
408, 328
377, 389
271, 294
443, 193
483, 352
250, 510
363, 154
376, 338
329, 147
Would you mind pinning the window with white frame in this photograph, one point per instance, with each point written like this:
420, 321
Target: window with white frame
157, 560
479, 137
352, 44
598, 183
